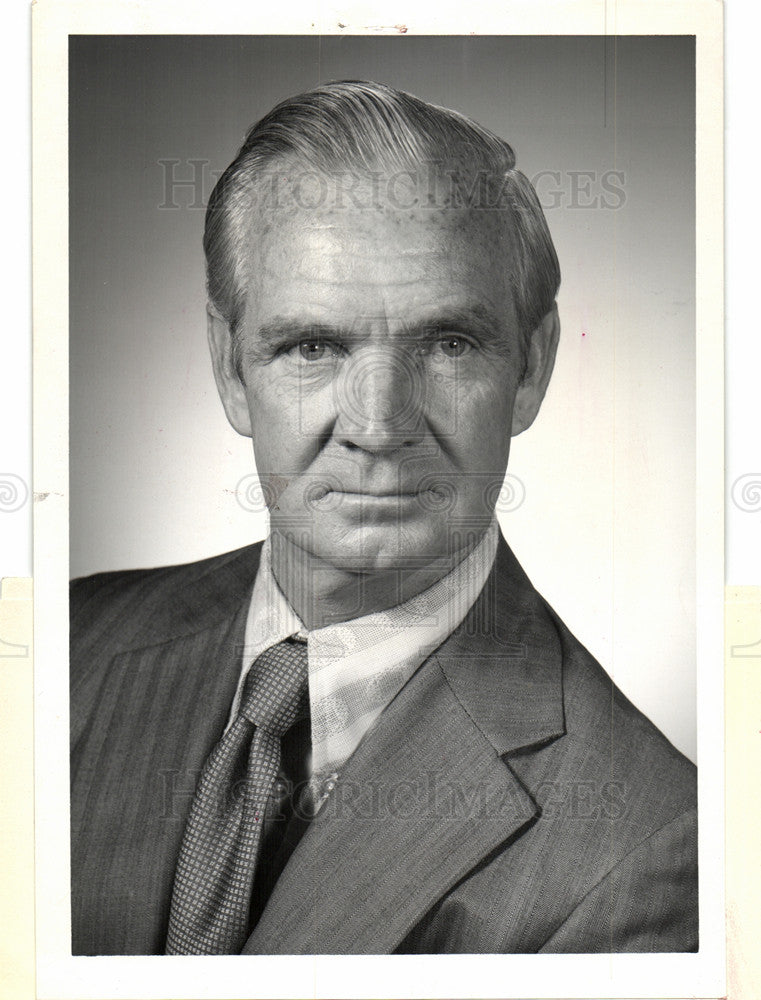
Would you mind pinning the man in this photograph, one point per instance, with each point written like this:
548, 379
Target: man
369, 734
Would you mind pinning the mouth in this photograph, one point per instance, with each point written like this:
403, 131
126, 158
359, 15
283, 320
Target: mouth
380, 495
331, 497
367, 498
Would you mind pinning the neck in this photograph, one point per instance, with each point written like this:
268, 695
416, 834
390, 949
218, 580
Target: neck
322, 594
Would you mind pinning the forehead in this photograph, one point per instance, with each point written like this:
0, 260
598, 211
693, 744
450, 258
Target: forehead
382, 247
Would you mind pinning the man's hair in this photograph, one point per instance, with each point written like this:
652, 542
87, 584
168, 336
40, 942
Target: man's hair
354, 125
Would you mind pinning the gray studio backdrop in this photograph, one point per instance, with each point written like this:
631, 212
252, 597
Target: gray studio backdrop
600, 505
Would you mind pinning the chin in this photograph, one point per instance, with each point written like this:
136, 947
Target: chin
382, 548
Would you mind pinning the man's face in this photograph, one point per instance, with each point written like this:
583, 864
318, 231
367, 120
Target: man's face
380, 361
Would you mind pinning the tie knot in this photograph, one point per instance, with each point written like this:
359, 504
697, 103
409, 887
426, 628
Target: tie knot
276, 690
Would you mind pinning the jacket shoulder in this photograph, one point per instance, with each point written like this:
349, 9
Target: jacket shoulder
97, 588
118, 612
110, 609
615, 739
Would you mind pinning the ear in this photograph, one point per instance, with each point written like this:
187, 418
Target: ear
541, 360
231, 390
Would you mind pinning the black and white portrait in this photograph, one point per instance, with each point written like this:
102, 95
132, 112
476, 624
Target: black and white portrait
382, 495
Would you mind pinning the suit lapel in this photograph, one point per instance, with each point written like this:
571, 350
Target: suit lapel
427, 795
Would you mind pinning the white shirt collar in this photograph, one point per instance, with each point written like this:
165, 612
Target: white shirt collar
356, 667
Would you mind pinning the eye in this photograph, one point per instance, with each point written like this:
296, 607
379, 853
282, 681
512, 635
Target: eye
453, 346
313, 350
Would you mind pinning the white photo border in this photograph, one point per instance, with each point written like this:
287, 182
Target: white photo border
59, 975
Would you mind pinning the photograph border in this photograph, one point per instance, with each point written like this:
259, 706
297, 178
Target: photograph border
60, 975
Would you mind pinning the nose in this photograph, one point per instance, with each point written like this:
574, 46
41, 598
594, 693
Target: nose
380, 401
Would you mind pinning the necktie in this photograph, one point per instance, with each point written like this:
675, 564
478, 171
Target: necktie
209, 913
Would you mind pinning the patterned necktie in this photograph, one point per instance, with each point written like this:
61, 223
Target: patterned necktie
209, 914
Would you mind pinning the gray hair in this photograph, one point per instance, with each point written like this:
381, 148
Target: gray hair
355, 125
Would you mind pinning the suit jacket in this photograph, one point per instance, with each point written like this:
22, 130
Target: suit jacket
509, 799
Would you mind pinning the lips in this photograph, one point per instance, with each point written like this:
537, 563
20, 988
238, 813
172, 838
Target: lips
431, 490
319, 489
378, 495
427, 499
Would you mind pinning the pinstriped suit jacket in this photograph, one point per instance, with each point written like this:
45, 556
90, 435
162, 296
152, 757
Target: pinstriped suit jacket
510, 799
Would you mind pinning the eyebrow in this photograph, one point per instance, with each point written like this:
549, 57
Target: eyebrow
279, 330
475, 319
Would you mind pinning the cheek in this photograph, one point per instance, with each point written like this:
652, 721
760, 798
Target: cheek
288, 424
476, 411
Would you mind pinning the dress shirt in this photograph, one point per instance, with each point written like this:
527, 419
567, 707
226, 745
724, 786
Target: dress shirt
356, 667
